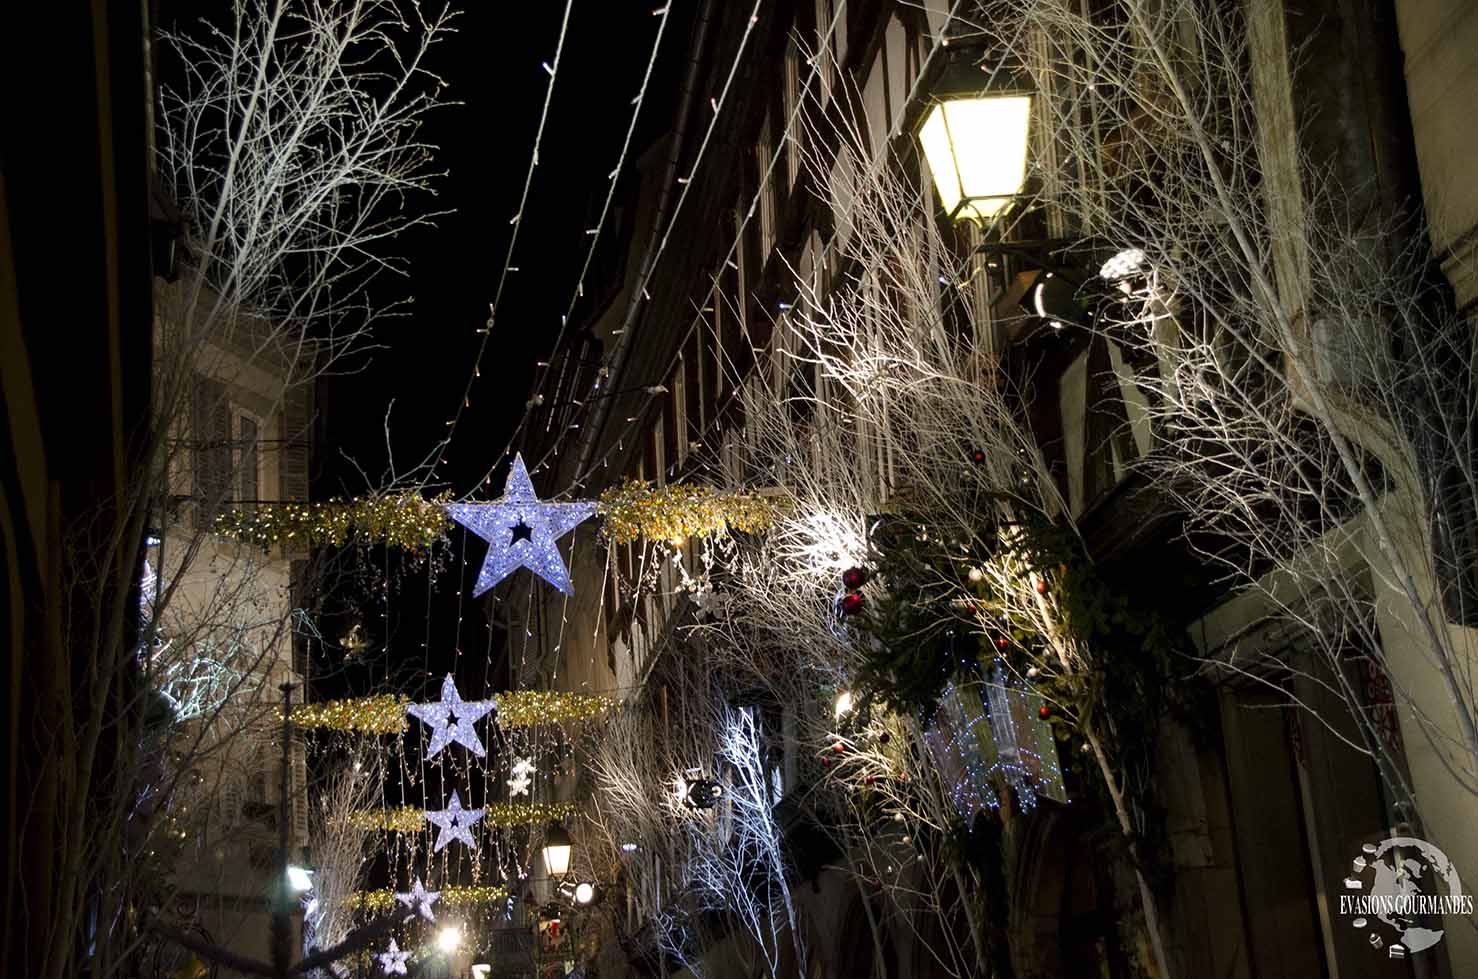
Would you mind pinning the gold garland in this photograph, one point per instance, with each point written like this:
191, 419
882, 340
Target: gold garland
384, 713
636, 509
404, 520
525, 708
451, 897
504, 815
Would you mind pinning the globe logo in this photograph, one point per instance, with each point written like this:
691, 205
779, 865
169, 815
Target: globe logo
1398, 889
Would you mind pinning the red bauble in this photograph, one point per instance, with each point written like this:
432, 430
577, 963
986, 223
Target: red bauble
1044, 712
1041, 587
838, 747
854, 578
826, 763
851, 604
977, 456
870, 779
1002, 642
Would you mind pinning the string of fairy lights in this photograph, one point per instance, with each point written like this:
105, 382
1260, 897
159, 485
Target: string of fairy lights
531, 724
594, 234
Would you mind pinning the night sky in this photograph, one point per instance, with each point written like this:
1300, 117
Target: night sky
493, 67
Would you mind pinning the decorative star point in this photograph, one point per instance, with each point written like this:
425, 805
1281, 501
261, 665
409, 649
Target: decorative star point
452, 719
455, 823
419, 900
392, 960
521, 531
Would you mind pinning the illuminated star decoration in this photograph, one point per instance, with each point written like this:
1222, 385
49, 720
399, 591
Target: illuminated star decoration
393, 959
521, 531
452, 719
523, 777
419, 900
455, 822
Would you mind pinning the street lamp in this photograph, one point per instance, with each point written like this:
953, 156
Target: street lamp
449, 938
974, 138
300, 879
557, 847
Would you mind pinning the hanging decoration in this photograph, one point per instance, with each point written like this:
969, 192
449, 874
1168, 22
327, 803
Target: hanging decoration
380, 714
455, 823
386, 713
476, 895
419, 900
452, 719
392, 960
636, 509
521, 531
405, 521
502, 815
1025, 752
523, 777
990, 735
526, 708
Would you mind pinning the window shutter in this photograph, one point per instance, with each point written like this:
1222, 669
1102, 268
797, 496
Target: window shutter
297, 418
299, 789
248, 481
211, 435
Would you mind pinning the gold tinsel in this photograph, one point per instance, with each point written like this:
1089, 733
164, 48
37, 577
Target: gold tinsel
405, 521
451, 897
636, 509
525, 708
385, 713
408, 819
381, 714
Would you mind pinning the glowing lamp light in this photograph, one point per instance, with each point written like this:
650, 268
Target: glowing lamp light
557, 848
628, 847
1122, 265
481, 970
449, 938
584, 893
843, 704
300, 879
976, 150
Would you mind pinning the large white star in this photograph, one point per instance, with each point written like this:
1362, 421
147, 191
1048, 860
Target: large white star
452, 719
455, 822
521, 531
393, 959
419, 900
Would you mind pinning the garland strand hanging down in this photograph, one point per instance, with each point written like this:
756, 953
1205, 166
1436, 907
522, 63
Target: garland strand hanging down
385, 713
405, 521
636, 509
504, 815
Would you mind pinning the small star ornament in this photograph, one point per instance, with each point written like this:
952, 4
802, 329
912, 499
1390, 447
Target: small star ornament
452, 719
419, 900
392, 960
455, 823
521, 531
523, 777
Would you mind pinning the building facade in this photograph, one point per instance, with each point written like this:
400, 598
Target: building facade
1261, 820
